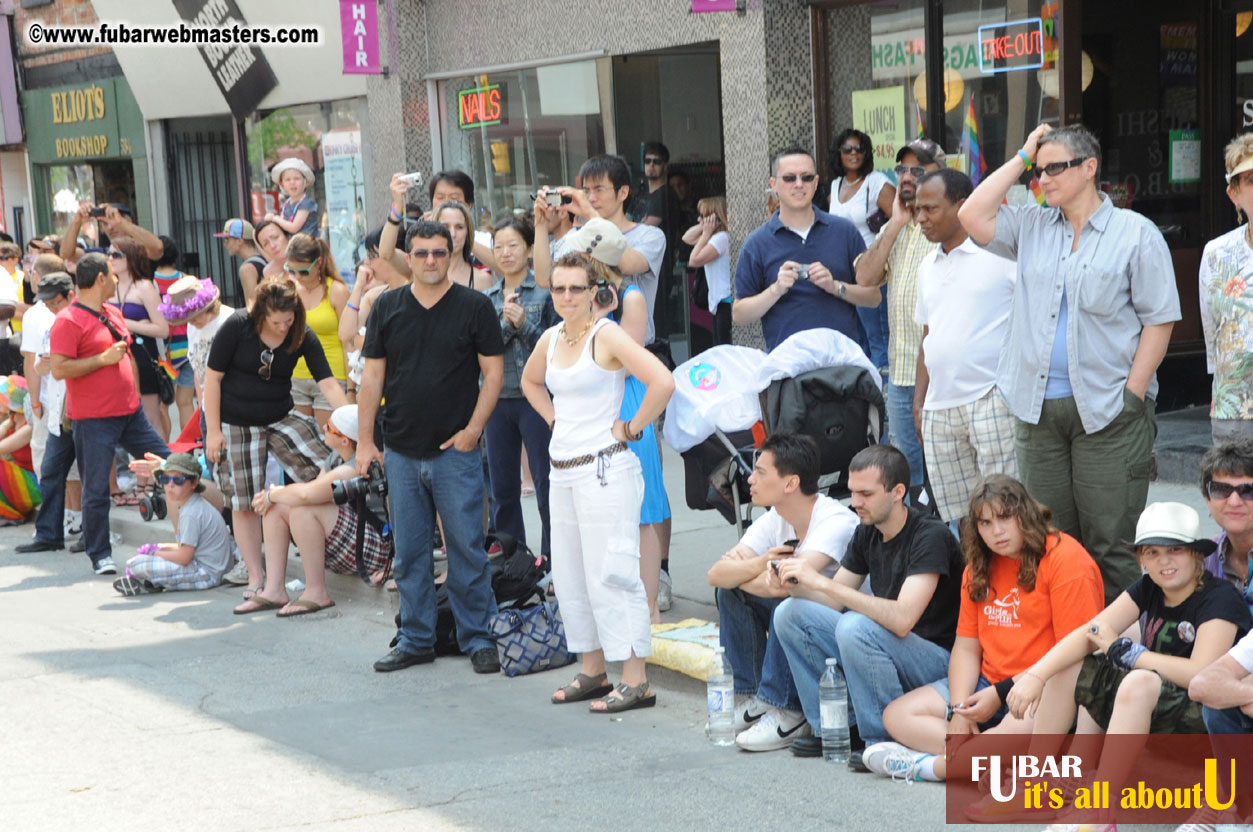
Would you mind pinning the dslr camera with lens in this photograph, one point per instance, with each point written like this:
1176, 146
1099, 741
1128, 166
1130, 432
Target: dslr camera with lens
372, 488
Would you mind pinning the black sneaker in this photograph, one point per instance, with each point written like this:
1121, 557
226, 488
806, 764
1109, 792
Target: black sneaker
486, 660
129, 586
38, 545
400, 659
810, 746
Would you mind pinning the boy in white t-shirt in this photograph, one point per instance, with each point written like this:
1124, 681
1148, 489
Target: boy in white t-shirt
800, 523
964, 298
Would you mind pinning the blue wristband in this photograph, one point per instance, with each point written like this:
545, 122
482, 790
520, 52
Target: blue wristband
1026, 160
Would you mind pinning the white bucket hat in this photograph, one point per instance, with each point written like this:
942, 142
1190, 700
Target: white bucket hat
292, 164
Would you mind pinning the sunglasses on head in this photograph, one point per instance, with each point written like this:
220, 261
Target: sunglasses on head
173, 479
804, 177
1056, 168
1223, 490
851, 148
912, 170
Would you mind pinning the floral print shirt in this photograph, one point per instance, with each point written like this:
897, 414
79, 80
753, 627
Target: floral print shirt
1227, 318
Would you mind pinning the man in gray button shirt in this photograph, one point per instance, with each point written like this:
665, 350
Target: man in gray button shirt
1092, 313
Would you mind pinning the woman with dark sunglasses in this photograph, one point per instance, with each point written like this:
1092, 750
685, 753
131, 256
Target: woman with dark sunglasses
864, 197
249, 415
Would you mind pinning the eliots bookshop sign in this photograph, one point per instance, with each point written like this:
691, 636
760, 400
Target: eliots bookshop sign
96, 120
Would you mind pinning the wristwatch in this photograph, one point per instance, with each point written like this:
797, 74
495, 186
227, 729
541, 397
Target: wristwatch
948, 712
842, 289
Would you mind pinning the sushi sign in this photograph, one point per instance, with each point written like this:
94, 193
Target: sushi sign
479, 107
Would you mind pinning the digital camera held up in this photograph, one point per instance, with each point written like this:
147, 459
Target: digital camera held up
373, 484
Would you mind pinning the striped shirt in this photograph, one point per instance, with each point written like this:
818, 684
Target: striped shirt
901, 274
1119, 280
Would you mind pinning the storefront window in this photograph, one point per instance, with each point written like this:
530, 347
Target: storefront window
326, 136
999, 81
891, 112
99, 183
513, 132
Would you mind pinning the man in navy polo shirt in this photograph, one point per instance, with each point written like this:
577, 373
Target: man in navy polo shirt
770, 285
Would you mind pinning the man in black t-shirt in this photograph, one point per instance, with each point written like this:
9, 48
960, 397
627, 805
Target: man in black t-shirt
425, 347
888, 641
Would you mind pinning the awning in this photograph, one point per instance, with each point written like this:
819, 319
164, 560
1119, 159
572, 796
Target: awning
175, 82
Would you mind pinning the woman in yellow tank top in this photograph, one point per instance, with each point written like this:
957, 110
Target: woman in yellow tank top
323, 292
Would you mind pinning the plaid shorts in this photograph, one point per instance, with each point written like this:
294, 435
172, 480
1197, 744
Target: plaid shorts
1097, 686
341, 545
964, 444
295, 442
169, 575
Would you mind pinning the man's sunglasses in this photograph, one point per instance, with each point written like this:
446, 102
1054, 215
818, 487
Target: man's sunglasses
173, 479
654, 160
1222, 490
1057, 168
913, 170
267, 363
851, 148
804, 177
333, 431
422, 254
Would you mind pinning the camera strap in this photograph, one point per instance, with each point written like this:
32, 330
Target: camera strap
365, 515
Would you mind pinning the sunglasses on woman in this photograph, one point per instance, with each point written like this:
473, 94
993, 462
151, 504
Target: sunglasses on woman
267, 363
173, 479
116, 255
1223, 490
305, 270
851, 148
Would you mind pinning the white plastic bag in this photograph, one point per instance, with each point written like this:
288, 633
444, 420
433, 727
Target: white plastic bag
813, 349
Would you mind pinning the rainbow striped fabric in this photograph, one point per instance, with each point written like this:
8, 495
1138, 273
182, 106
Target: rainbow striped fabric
19, 491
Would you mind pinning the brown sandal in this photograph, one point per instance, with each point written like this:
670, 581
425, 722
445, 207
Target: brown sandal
584, 687
630, 697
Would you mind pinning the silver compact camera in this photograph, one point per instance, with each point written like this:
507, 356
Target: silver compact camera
802, 272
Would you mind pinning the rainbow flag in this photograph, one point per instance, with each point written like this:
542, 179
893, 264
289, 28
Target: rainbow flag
922, 130
19, 491
1037, 192
169, 368
970, 144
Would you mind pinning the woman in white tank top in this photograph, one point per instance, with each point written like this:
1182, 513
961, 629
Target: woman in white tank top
595, 489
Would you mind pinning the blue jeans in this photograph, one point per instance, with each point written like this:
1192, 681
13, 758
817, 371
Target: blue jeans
1226, 721
901, 433
94, 442
875, 321
757, 661
451, 482
877, 665
515, 423
58, 457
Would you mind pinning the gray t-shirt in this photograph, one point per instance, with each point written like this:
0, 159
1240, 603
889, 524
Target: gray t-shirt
201, 525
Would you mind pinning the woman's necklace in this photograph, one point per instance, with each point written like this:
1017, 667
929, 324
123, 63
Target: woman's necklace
573, 341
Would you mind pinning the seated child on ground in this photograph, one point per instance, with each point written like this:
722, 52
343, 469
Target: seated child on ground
19, 488
204, 549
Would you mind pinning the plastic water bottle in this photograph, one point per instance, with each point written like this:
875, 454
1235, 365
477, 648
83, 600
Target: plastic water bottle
720, 697
833, 707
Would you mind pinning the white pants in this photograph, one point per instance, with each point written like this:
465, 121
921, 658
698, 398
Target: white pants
596, 560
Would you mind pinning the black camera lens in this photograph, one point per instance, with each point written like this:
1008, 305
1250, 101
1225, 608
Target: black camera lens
604, 293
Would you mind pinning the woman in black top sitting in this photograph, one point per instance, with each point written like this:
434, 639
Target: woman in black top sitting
249, 414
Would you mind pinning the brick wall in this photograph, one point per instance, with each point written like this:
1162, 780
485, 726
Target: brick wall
58, 13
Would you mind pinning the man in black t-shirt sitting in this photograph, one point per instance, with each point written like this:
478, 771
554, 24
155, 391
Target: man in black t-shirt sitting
425, 347
888, 642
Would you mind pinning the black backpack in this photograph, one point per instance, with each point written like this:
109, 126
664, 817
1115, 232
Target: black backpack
516, 574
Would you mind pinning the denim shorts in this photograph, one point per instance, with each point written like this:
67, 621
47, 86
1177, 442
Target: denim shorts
941, 686
186, 376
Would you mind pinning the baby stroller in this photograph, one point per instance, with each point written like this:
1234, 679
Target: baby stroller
818, 383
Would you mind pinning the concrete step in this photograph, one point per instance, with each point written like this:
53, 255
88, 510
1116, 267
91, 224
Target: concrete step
1183, 437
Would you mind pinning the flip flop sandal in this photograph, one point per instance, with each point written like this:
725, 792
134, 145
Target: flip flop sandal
125, 498
588, 687
252, 591
306, 608
631, 697
262, 604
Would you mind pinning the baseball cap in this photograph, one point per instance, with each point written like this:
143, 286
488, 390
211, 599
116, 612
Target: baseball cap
54, 284
237, 229
599, 239
344, 419
927, 151
184, 464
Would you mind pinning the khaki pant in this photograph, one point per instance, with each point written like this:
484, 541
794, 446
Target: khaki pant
1096, 484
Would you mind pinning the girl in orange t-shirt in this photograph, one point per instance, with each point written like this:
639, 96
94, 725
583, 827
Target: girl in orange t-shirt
1026, 585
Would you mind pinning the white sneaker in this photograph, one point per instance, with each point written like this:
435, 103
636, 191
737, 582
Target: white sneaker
664, 592
237, 576
73, 522
891, 759
748, 712
774, 731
